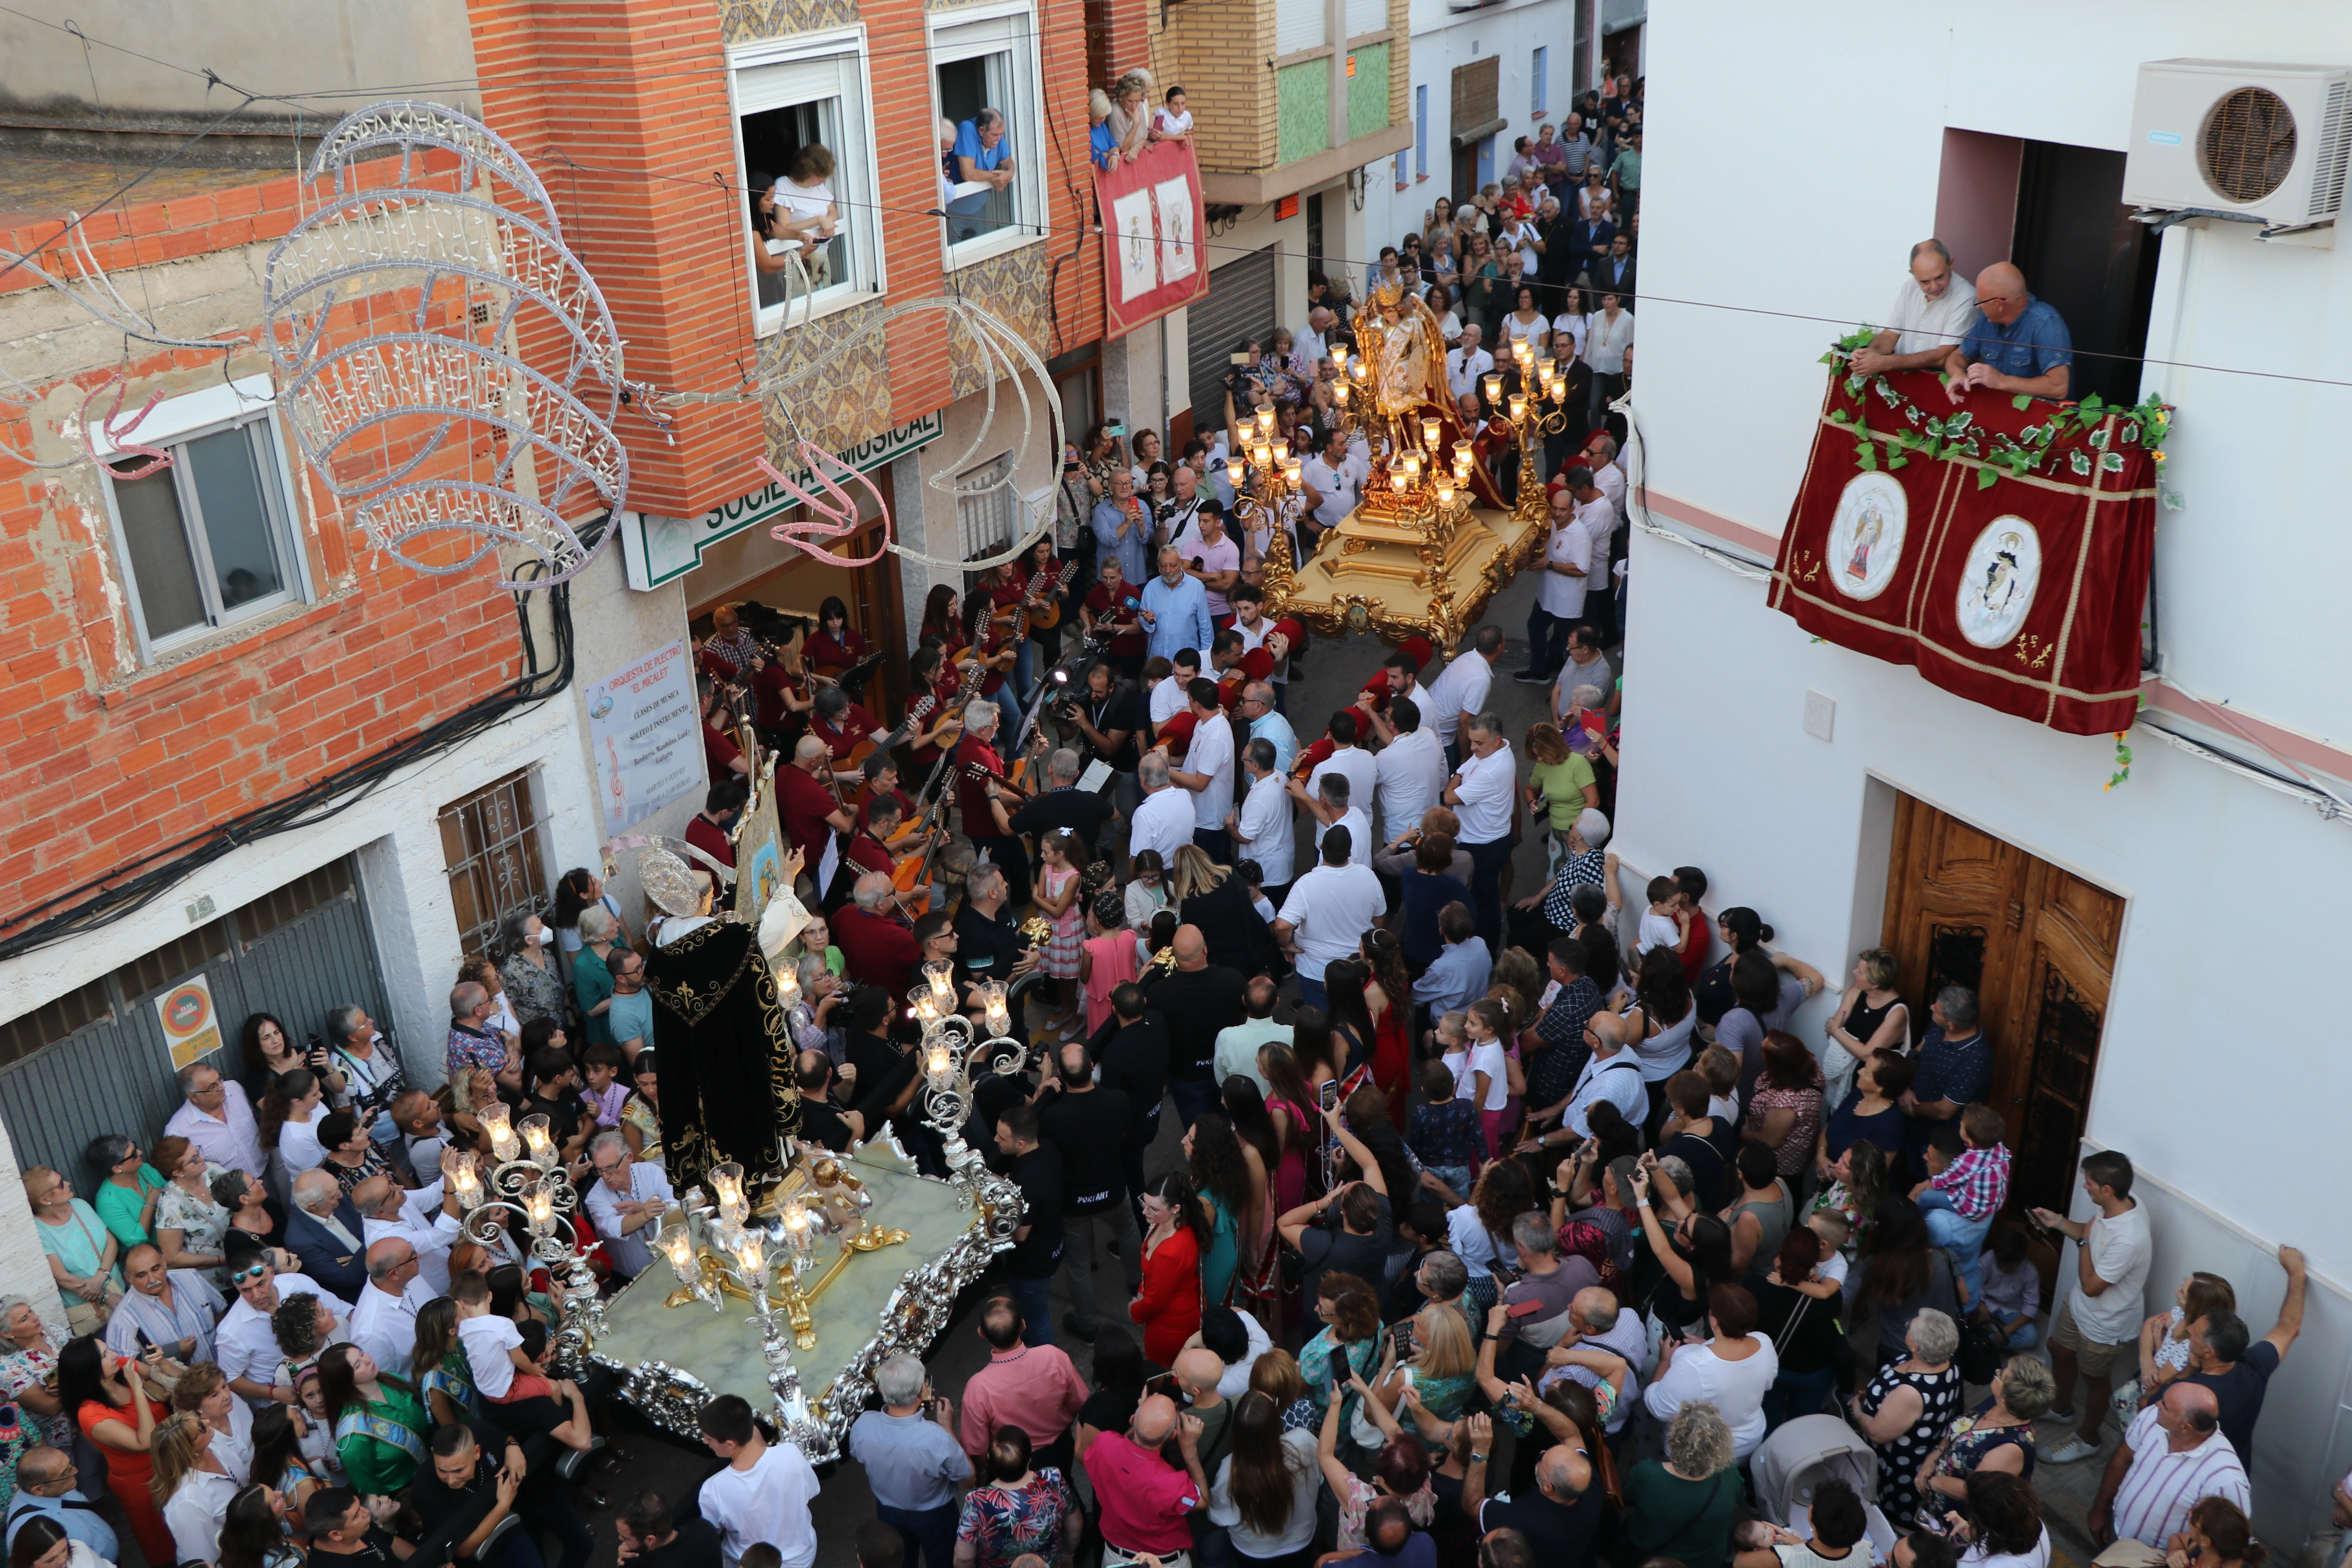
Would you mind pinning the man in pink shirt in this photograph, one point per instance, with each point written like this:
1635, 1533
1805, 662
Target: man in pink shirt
1147, 1505
1034, 1387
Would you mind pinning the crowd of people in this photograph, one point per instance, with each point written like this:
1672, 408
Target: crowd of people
1500, 1226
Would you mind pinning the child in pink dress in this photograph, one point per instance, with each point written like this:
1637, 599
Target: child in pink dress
1107, 957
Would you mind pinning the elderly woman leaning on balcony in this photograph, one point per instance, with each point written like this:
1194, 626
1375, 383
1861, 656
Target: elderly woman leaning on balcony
1130, 114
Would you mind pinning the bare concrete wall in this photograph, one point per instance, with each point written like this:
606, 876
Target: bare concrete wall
275, 47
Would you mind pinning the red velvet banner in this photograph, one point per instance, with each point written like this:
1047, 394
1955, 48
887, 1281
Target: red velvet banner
1152, 222
2003, 552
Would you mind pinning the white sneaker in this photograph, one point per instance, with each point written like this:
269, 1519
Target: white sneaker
2073, 1448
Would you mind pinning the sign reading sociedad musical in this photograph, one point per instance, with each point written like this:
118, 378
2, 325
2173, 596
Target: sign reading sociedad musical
659, 550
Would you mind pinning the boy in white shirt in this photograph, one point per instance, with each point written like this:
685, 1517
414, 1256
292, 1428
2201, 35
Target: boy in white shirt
1660, 926
1174, 122
503, 1374
762, 1494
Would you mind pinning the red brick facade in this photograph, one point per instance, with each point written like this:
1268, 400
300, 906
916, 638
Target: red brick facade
103, 761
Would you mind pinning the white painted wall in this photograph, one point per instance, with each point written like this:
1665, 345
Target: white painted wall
2211, 1036
1444, 39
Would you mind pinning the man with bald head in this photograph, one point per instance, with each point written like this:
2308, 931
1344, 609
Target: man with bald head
1563, 1517
429, 1219
1198, 1000
48, 1484
1933, 311
1147, 1503
2174, 1455
323, 1229
384, 1320
2019, 345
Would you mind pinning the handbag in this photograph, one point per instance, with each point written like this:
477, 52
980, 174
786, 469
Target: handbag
1982, 1346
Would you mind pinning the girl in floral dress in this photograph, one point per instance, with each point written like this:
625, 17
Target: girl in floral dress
1057, 901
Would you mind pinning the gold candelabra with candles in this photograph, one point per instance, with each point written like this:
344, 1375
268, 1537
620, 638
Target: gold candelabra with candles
1539, 408
1268, 491
528, 1185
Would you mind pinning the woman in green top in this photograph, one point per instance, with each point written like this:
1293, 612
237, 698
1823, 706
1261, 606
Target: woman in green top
443, 1375
591, 972
378, 1422
1682, 1508
1231, 1176
126, 1199
1560, 778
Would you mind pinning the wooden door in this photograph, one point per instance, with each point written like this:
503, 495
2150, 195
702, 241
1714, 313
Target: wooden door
2037, 944
877, 610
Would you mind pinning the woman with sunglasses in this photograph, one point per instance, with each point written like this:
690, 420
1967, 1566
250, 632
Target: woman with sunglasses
84, 1257
128, 1187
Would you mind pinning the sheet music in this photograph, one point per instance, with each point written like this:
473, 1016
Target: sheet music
1097, 774
828, 863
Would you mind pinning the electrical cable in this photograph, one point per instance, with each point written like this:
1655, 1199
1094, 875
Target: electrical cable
318, 802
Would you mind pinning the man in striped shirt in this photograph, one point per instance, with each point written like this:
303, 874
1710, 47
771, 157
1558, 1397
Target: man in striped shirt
2173, 1456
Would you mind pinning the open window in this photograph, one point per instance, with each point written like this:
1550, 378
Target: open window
984, 75
806, 139
209, 539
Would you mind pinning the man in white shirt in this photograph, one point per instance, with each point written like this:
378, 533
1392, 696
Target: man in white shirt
1560, 592
384, 1320
1331, 481
1411, 769
1933, 311
1332, 805
429, 1219
1315, 343
1164, 820
244, 1344
1349, 759
1168, 694
1207, 775
1461, 687
1480, 794
1327, 914
1613, 1074
1600, 456
1466, 364
218, 1118
764, 1492
2173, 1457
2097, 1322
1262, 827
1176, 526
628, 1196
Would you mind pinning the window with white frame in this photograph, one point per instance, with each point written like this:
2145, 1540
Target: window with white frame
208, 540
1539, 68
806, 141
1421, 133
984, 77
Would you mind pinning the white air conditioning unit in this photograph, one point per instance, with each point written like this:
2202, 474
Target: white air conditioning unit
2265, 141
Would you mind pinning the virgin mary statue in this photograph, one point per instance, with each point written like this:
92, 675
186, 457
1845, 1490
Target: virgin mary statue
727, 1080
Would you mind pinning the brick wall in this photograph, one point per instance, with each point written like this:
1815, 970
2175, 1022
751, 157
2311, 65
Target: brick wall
1218, 50
104, 761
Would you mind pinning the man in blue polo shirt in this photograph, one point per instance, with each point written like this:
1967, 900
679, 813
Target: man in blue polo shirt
982, 157
2019, 345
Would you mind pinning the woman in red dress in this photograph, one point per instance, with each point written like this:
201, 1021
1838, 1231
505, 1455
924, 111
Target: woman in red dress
1169, 1306
1388, 997
114, 1411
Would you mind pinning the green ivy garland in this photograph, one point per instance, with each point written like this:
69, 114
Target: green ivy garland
1956, 435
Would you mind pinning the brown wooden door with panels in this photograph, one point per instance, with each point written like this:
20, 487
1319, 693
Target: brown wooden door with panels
2037, 944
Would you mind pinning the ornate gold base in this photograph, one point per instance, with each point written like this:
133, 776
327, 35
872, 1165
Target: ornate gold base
1373, 576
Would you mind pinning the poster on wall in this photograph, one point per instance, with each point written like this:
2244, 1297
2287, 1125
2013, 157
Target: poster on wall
1152, 220
190, 1027
2003, 552
644, 729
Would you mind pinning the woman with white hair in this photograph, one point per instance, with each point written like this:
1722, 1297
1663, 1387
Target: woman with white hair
1907, 1409
1683, 1507
591, 972
1549, 912
1130, 114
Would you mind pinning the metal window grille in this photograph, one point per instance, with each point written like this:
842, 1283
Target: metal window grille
984, 521
1538, 69
490, 842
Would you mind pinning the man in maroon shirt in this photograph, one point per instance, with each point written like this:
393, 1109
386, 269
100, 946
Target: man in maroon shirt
718, 747
877, 947
807, 808
986, 822
707, 830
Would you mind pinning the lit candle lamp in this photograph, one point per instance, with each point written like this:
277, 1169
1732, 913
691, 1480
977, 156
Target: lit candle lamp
1519, 408
678, 1247
796, 1227
999, 1016
498, 1122
726, 1181
1494, 389
1339, 391
1281, 450
939, 975
1264, 421
1445, 492
537, 1136
751, 1257
1339, 355
1396, 482
469, 1185
1411, 468
1357, 370
1290, 470
1429, 432
1543, 366
1234, 471
937, 1065
788, 987
538, 1205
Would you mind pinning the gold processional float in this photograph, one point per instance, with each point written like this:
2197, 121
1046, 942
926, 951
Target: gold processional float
1432, 539
757, 1274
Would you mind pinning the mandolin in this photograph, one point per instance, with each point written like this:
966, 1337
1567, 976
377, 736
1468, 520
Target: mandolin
1048, 615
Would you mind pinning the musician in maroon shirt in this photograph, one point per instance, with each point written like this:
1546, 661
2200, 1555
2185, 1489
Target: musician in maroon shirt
707, 829
844, 726
807, 808
882, 784
835, 645
877, 946
978, 767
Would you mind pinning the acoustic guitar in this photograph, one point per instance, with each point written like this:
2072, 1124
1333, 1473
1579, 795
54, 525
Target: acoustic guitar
1048, 615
